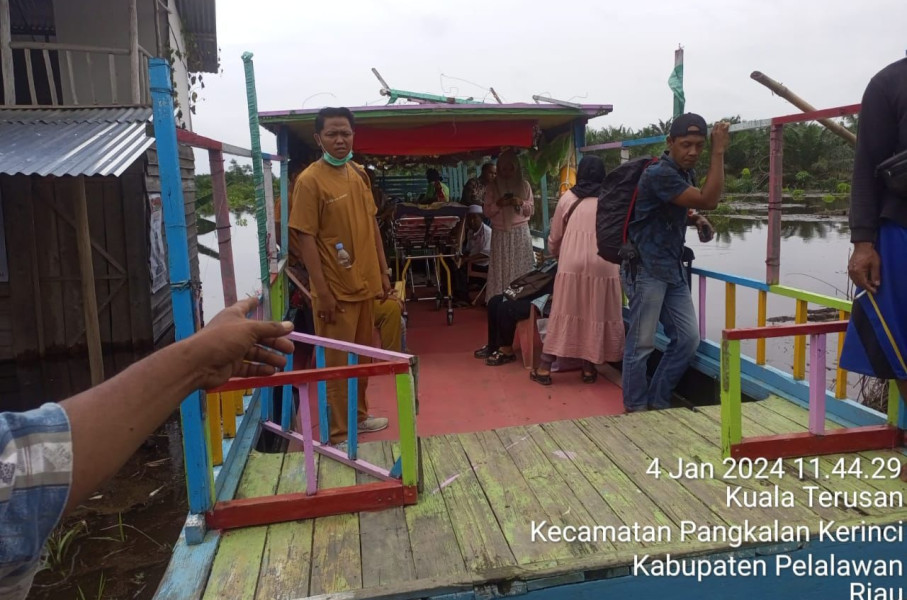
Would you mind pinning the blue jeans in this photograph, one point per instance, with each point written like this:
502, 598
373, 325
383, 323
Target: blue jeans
652, 300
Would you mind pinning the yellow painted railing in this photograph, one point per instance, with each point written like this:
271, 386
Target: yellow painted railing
802, 298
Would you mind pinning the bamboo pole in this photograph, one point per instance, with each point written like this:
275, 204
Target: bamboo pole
89, 297
6, 55
803, 105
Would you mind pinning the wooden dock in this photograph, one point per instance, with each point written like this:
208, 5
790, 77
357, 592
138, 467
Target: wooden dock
470, 534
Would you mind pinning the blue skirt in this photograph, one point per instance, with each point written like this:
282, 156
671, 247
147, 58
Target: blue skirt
876, 340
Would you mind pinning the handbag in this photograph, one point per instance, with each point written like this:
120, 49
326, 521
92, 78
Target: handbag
541, 279
534, 283
893, 172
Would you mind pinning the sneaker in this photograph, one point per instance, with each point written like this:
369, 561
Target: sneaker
372, 424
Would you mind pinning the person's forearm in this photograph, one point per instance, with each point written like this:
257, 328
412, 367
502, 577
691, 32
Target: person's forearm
379, 247
714, 184
313, 264
110, 421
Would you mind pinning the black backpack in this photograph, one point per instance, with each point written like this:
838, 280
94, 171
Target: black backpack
615, 207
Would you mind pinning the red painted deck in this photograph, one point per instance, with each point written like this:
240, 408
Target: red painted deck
459, 394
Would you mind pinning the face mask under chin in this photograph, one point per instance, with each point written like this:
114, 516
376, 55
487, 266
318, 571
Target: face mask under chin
337, 162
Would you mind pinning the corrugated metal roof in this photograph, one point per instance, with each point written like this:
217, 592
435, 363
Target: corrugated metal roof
102, 141
199, 18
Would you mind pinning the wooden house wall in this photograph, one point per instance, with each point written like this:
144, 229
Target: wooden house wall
161, 308
43, 351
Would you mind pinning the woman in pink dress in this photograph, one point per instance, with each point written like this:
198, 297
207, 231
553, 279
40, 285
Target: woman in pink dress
509, 205
586, 320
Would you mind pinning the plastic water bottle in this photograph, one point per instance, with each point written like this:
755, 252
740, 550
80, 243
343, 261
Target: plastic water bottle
343, 257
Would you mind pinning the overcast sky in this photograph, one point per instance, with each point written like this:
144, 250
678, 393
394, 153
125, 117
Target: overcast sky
313, 53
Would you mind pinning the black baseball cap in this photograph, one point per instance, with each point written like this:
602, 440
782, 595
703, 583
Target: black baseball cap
688, 124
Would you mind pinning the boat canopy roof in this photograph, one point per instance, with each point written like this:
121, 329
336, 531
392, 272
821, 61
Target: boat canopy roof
442, 130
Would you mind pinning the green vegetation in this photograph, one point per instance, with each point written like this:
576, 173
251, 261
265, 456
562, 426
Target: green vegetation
814, 158
240, 190
59, 545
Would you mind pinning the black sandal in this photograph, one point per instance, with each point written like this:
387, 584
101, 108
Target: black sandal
483, 352
498, 358
590, 377
537, 377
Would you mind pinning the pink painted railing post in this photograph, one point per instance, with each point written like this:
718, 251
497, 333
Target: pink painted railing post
773, 252
305, 428
702, 287
817, 384
222, 221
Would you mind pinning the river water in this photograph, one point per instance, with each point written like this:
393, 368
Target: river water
814, 251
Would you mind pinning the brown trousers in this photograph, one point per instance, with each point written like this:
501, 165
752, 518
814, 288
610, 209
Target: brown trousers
356, 324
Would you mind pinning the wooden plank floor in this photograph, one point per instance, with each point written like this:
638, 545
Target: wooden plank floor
472, 524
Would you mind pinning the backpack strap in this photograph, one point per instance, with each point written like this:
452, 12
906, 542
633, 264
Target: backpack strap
633, 203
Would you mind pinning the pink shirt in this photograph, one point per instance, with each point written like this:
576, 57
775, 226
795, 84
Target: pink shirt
506, 217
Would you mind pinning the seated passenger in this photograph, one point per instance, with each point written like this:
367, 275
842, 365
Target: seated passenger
477, 251
437, 190
503, 315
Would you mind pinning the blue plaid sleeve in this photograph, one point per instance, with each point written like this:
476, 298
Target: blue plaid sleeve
35, 478
666, 184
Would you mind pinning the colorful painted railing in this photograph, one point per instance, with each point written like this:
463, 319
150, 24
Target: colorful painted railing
813, 442
398, 485
803, 300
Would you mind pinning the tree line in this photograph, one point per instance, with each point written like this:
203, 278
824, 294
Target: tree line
814, 159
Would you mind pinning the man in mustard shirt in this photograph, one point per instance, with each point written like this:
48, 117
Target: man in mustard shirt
332, 204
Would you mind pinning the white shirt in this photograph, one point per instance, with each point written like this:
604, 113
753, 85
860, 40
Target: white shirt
479, 242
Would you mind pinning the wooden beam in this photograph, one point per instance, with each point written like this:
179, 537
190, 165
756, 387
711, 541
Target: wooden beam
89, 297
756, 333
72, 47
248, 512
49, 71
134, 79
854, 439
773, 243
6, 56
159, 43
222, 220
121, 284
331, 452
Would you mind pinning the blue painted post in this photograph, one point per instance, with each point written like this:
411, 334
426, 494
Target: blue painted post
352, 407
198, 467
283, 149
324, 429
579, 138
